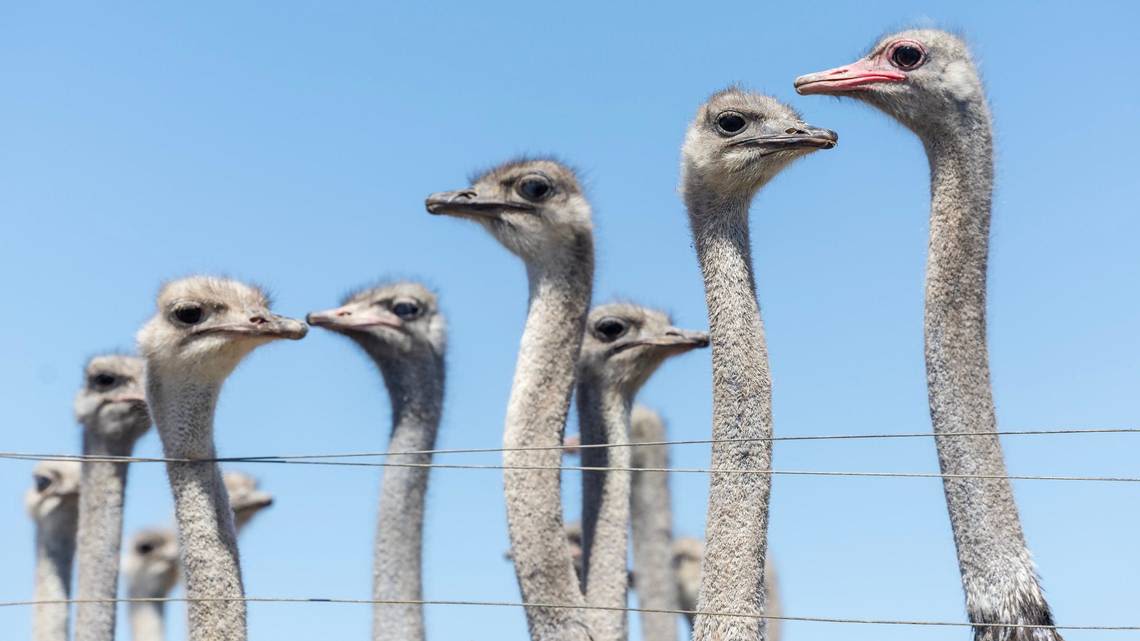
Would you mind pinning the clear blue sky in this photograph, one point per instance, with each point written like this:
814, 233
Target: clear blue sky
294, 146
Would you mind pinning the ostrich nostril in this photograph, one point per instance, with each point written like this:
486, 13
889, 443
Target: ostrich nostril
465, 194
344, 313
258, 320
793, 130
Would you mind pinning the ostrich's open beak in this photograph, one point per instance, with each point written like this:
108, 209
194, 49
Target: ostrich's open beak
353, 317
857, 75
468, 203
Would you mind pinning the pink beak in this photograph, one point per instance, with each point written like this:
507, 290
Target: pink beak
353, 317
850, 77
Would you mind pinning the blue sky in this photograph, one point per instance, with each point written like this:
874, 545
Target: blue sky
294, 146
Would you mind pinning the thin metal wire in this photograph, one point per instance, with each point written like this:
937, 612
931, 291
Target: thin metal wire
582, 468
565, 606
539, 448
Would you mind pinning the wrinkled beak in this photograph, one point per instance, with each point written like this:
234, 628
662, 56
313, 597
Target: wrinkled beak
353, 317
793, 136
468, 202
855, 76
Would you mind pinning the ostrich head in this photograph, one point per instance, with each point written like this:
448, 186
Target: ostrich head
687, 556
739, 141
151, 563
245, 498
112, 401
204, 326
397, 320
56, 487
911, 75
624, 344
533, 207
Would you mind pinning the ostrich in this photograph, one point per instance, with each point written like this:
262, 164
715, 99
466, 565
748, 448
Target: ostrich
537, 210
53, 503
623, 345
687, 554
245, 498
737, 143
652, 518
202, 329
400, 326
927, 81
112, 410
151, 563
151, 568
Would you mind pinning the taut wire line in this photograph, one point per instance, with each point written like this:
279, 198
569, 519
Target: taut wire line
580, 468
514, 604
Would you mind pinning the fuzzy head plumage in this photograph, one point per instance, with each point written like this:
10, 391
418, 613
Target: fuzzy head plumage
55, 487
625, 343
740, 140
112, 402
204, 326
398, 320
532, 206
151, 564
918, 76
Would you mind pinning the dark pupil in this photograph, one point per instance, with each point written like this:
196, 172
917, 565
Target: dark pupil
42, 483
406, 310
535, 189
610, 329
104, 380
731, 123
907, 56
145, 548
188, 315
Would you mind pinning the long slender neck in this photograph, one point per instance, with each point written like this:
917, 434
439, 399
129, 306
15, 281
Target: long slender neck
148, 621
536, 417
732, 576
415, 387
102, 487
207, 541
55, 549
997, 572
652, 510
603, 414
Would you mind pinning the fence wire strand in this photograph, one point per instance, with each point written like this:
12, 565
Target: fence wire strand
568, 606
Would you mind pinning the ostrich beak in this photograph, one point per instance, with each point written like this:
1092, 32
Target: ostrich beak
855, 76
674, 340
468, 203
792, 135
353, 317
262, 324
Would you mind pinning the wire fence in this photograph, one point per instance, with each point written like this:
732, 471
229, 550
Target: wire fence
566, 606
336, 459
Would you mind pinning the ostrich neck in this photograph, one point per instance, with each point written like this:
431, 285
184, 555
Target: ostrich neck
651, 507
732, 574
102, 485
55, 549
207, 540
415, 387
536, 417
997, 572
603, 414
148, 621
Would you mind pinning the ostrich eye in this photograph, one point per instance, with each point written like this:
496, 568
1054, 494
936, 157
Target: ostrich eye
406, 309
906, 56
535, 188
144, 548
731, 123
189, 314
103, 380
609, 329
42, 482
